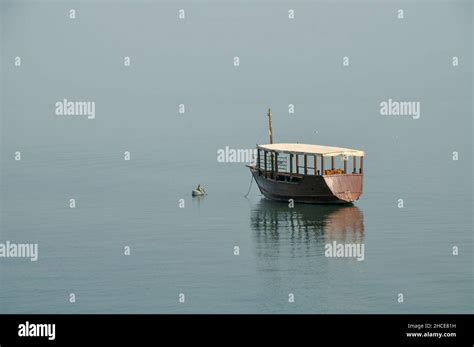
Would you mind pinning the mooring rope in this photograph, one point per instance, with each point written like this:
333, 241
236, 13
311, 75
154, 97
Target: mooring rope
250, 185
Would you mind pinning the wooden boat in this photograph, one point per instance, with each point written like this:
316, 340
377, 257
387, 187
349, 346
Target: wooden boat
308, 173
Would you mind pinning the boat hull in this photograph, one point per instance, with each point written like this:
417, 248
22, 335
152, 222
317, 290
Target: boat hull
312, 189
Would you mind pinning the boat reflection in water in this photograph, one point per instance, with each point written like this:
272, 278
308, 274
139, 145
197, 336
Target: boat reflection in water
290, 259
276, 221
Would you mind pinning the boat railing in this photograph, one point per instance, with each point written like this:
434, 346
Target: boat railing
271, 163
327, 172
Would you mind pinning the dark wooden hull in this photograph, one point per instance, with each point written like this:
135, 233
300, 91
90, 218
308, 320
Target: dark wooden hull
312, 189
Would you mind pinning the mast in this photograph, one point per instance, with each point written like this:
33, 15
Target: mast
270, 131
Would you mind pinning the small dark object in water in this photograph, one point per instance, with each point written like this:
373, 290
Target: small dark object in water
199, 191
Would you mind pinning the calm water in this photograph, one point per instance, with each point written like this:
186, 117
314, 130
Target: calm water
190, 250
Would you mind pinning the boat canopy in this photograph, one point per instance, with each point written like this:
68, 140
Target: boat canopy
300, 148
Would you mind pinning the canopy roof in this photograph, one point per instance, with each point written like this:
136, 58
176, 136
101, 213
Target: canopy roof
300, 148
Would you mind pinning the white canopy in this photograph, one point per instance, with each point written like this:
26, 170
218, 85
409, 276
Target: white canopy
300, 148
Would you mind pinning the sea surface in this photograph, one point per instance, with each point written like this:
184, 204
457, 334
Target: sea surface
190, 250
